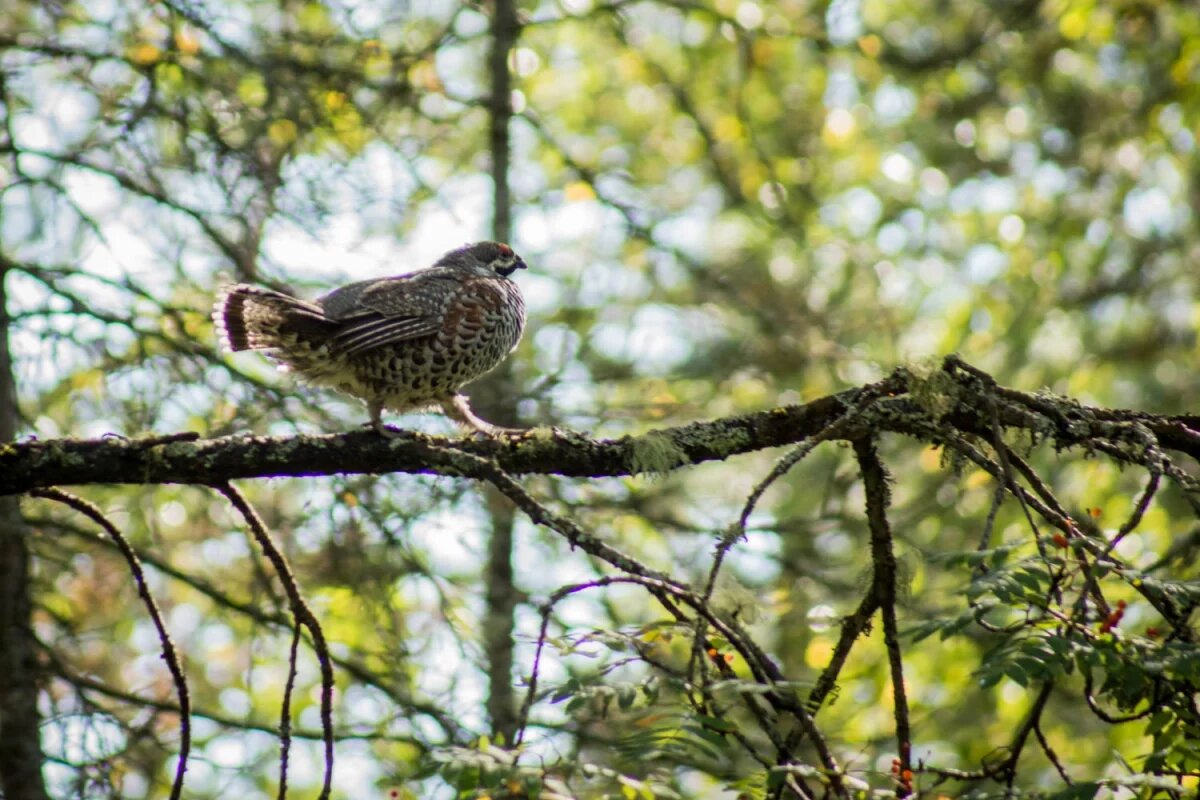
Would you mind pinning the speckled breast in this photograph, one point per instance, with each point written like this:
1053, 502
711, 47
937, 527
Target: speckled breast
482, 323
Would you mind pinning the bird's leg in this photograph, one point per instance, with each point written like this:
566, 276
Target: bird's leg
458, 408
375, 409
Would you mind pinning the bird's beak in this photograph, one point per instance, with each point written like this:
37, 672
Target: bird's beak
520, 263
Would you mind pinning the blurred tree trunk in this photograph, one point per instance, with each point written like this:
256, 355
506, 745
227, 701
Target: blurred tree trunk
20, 746
495, 399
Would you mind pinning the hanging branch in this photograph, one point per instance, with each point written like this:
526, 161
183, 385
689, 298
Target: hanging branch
303, 616
285, 712
168, 647
883, 587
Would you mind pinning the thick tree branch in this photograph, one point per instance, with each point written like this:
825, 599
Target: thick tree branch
28, 465
953, 401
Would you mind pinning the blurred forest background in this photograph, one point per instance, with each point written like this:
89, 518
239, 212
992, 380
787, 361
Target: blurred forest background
726, 206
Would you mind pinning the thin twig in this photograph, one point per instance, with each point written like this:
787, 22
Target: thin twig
852, 627
1009, 768
285, 712
1050, 754
1139, 511
737, 531
745, 647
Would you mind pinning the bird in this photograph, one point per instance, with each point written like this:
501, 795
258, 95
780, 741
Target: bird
401, 343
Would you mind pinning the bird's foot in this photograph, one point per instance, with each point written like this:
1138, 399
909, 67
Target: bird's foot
497, 432
376, 412
459, 409
385, 431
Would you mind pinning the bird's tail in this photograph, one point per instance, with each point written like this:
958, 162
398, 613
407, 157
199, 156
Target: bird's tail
253, 318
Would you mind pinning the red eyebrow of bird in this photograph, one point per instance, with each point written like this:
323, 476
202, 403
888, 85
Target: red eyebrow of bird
505, 250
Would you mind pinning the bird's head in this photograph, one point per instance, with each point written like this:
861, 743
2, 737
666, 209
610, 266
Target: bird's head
494, 257
500, 257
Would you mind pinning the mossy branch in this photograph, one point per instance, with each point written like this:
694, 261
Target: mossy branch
900, 403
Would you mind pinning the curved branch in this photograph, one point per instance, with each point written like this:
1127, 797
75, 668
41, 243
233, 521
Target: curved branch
304, 617
169, 653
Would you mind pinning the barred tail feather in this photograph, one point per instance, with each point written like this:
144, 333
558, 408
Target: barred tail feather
253, 318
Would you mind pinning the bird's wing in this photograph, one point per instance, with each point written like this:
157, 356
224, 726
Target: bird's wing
389, 310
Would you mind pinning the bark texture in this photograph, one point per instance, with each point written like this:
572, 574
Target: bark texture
21, 755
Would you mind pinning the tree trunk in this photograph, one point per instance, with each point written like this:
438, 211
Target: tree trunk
496, 393
20, 745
